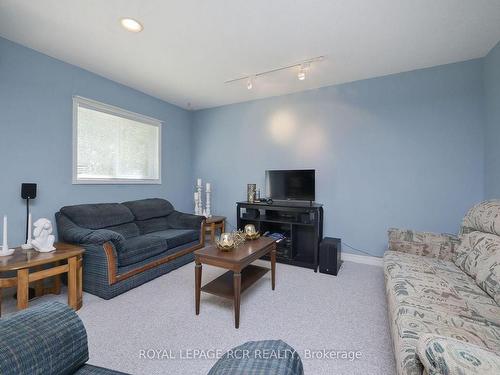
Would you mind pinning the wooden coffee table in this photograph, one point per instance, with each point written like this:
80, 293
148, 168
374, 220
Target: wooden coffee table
32, 266
241, 274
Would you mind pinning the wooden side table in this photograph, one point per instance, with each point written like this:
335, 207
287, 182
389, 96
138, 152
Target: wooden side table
214, 223
65, 259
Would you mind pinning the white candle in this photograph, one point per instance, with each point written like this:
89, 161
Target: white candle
29, 229
208, 187
198, 182
5, 247
195, 196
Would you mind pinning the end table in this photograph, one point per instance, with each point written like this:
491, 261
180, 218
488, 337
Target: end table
213, 223
65, 259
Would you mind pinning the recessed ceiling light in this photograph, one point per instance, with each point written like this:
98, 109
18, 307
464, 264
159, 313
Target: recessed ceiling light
132, 25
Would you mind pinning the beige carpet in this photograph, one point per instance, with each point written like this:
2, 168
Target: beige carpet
313, 312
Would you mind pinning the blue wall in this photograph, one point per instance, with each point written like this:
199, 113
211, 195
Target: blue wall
492, 107
36, 137
404, 150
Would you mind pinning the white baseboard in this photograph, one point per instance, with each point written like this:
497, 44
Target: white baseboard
364, 259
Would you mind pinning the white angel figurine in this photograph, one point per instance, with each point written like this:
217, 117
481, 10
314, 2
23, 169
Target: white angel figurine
43, 240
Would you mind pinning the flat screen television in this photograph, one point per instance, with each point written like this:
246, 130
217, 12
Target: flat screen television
291, 185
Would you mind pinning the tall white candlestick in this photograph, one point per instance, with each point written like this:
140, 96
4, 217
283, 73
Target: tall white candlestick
200, 198
5, 247
208, 209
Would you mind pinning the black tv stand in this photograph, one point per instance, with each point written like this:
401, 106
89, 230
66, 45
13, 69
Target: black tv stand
301, 222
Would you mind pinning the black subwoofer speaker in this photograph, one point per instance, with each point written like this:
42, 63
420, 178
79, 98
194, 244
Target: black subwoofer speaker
329, 255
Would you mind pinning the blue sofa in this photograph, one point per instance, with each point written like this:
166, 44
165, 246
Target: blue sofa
50, 339
127, 244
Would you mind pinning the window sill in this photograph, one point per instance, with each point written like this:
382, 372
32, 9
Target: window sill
115, 182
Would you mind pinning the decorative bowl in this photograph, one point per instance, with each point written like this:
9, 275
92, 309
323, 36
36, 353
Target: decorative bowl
252, 236
222, 247
225, 242
230, 241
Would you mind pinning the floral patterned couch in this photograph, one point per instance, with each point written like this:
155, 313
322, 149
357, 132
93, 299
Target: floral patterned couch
443, 296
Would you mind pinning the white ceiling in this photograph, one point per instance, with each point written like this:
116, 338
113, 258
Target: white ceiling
189, 48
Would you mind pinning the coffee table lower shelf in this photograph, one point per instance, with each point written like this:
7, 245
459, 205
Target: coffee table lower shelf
223, 286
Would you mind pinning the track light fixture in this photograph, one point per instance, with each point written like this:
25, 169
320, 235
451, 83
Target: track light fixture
301, 75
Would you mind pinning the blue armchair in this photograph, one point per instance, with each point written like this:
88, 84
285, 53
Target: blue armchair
46, 339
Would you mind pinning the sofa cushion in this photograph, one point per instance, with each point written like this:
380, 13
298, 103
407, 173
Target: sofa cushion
467, 246
483, 217
98, 216
137, 249
479, 257
152, 225
436, 285
488, 275
482, 244
176, 237
467, 242
148, 208
127, 230
442, 246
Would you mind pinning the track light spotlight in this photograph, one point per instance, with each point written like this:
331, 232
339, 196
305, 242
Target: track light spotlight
250, 83
301, 75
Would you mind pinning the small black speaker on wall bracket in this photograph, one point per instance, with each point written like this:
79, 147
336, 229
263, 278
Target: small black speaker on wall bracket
28, 191
329, 255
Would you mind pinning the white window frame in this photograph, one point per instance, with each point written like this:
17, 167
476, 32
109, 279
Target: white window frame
116, 111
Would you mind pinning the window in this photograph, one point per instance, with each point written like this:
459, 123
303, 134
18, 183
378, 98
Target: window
114, 146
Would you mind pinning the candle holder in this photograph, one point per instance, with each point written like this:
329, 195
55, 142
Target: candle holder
230, 241
208, 191
251, 192
225, 242
5, 251
198, 204
198, 201
250, 232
